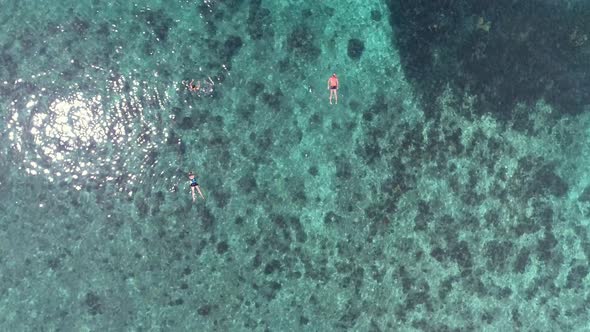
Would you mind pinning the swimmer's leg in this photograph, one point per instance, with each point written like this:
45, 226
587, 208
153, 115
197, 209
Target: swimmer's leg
193, 192
200, 193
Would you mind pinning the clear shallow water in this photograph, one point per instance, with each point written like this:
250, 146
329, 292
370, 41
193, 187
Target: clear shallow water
412, 204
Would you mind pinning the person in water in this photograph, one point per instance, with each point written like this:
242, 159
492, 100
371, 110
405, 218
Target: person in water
333, 87
198, 88
194, 184
192, 86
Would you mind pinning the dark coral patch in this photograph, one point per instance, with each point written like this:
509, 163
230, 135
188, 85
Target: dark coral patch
269, 290
355, 49
474, 47
186, 123
231, 47
222, 247
575, 278
247, 183
343, 168
546, 245
273, 100
94, 303
254, 88
497, 252
221, 197
80, 25
272, 266
536, 177
376, 15
205, 310
301, 41
259, 21
313, 171
159, 22
461, 254
522, 260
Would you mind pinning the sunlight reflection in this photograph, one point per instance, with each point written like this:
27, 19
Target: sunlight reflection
79, 137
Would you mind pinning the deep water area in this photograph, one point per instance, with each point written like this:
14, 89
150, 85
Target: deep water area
446, 190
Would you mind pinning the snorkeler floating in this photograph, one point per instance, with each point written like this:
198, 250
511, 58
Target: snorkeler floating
191, 86
206, 88
333, 87
194, 185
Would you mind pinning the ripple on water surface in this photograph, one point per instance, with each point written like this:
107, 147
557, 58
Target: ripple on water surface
81, 137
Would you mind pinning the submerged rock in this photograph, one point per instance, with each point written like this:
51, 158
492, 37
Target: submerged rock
356, 47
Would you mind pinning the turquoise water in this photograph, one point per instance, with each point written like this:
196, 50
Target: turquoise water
446, 191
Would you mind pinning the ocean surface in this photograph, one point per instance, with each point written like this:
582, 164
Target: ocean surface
447, 190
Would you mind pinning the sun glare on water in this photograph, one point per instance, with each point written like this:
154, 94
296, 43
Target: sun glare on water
77, 138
